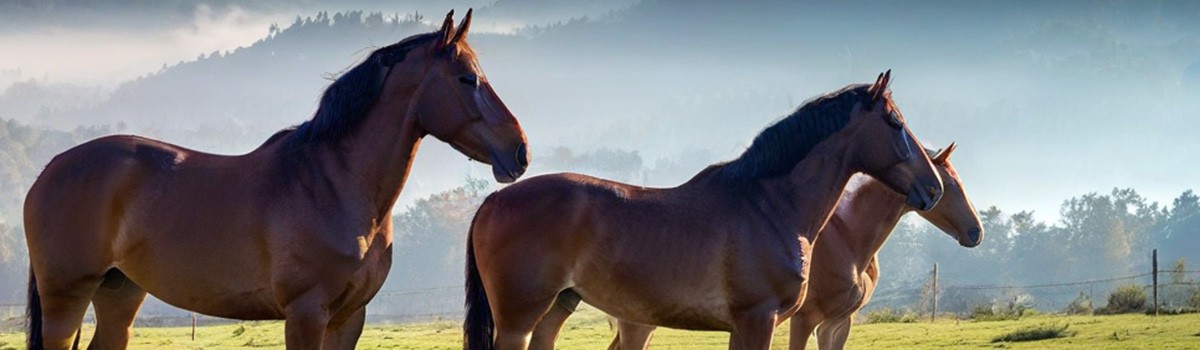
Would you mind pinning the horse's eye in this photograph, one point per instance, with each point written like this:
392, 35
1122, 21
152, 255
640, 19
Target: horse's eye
469, 79
893, 120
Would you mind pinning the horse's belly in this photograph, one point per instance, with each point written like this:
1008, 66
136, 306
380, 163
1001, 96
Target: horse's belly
243, 302
215, 277
682, 308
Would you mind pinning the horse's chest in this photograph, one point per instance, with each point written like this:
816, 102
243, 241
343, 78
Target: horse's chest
373, 267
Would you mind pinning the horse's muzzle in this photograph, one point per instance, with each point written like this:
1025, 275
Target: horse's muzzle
508, 169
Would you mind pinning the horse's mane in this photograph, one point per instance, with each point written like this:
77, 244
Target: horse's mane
785, 143
345, 102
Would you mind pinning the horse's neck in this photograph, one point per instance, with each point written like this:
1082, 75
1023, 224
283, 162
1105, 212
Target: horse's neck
378, 154
812, 189
870, 212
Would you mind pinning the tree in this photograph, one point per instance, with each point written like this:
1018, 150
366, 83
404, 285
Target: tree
1180, 232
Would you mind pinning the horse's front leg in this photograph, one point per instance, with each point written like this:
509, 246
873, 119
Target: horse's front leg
306, 320
801, 328
346, 334
632, 336
833, 333
753, 330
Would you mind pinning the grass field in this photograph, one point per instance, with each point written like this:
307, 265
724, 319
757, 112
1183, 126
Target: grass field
589, 329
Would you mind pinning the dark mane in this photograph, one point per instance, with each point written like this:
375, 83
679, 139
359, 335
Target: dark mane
786, 142
346, 101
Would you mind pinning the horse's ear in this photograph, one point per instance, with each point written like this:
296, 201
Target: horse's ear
943, 156
880, 86
462, 28
447, 31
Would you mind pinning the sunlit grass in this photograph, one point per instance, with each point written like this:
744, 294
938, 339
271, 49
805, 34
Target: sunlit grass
589, 329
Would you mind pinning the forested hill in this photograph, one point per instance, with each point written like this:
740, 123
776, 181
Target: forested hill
217, 100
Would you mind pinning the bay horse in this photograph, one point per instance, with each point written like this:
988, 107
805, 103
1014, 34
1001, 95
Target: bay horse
298, 229
845, 269
727, 250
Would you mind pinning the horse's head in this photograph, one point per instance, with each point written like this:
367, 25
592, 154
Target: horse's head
954, 213
888, 151
454, 101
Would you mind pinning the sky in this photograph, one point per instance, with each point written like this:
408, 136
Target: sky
1046, 100
123, 41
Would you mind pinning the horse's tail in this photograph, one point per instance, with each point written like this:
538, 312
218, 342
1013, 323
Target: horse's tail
33, 315
479, 327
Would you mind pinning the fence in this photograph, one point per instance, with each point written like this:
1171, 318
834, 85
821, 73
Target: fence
388, 307
1051, 297
446, 302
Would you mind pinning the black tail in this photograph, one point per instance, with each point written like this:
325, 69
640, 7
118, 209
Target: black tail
33, 316
479, 327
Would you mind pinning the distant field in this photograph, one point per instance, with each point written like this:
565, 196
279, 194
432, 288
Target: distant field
589, 330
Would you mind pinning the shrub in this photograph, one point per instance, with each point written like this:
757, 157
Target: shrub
1039, 332
1125, 299
1194, 300
1009, 307
1082, 305
889, 315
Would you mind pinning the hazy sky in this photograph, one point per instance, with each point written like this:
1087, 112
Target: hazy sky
107, 55
1046, 100
108, 42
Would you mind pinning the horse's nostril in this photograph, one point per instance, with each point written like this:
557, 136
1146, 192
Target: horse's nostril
522, 155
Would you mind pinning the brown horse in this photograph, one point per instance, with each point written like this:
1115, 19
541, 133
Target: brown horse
727, 250
298, 229
845, 266
844, 269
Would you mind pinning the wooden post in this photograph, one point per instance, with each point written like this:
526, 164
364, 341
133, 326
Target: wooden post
933, 314
193, 326
1154, 265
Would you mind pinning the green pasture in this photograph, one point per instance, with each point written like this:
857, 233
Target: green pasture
589, 329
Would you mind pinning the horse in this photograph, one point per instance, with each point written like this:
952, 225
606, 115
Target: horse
845, 269
727, 250
298, 229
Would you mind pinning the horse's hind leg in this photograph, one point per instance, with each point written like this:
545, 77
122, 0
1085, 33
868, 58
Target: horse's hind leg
516, 317
546, 332
63, 307
116, 303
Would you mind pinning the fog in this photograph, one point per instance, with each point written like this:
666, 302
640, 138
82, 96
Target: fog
1047, 101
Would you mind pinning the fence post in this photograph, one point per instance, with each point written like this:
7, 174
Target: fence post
1154, 265
933, 315
193, 326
